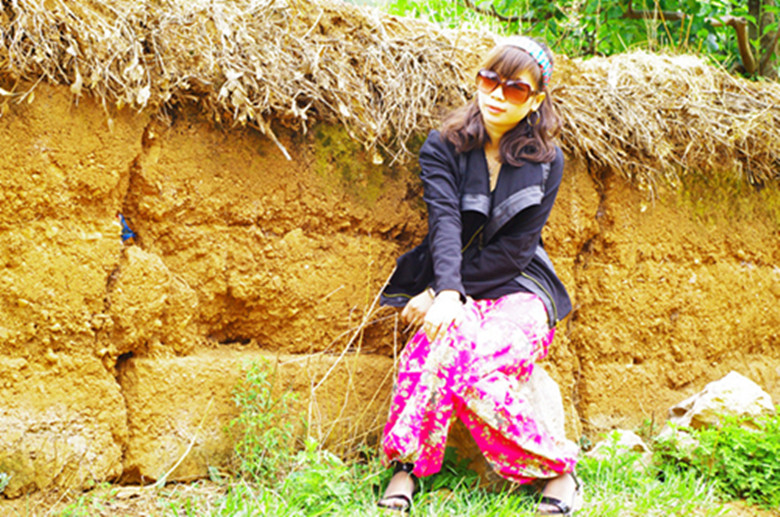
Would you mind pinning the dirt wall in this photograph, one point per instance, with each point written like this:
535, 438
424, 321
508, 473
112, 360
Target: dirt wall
240, 252
670, 294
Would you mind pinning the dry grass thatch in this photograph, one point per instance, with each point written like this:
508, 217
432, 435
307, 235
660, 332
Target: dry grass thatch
385, 79
252, 60
651, 117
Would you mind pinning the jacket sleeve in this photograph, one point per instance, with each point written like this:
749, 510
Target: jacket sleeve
441, 194
511, 250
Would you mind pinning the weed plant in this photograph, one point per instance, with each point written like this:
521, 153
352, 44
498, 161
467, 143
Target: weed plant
265, 432
741, 457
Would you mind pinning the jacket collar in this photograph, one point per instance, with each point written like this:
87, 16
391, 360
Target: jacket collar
518, 188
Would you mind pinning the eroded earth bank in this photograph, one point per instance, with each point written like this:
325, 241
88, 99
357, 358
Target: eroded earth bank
115, 357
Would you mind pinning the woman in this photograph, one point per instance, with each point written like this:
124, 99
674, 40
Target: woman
483, 288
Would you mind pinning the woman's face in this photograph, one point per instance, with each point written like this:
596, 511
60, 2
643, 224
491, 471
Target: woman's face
500, 115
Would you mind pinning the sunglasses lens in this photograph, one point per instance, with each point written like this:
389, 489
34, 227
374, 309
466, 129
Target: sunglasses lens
517, 93
487, 81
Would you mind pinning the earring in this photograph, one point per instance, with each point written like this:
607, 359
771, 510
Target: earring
531, 121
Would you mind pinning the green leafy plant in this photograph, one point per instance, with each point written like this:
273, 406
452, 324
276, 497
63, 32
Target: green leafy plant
741, 459
735, 34
266, 435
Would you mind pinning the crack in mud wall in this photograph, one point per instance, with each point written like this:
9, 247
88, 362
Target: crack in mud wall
587, 201
62, 419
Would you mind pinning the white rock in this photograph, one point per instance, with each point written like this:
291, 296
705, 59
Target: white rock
733, 395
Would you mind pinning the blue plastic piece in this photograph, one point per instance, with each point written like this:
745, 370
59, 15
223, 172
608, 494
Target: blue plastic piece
127, 233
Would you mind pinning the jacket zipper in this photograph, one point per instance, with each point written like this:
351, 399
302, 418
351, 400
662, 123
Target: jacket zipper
549, 296
471, 240
399, 295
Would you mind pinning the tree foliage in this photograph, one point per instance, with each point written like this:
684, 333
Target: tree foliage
741, 35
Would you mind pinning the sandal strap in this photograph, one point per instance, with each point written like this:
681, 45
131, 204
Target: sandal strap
401, 497
408, 468
405, 467
564, 508
576, 479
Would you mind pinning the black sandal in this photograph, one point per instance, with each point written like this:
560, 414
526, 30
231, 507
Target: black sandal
564, 508
405, 500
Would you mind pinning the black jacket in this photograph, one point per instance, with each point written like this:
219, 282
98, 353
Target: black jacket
482, 244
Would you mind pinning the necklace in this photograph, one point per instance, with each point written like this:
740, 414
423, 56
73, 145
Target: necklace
494, 167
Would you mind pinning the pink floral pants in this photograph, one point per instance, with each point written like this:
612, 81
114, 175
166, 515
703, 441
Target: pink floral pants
477, 372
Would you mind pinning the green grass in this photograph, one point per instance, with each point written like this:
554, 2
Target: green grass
320, 484
272, 477
621, 486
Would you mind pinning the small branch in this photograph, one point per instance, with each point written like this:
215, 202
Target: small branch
492, 12
741, 27
651, 15
164, 479
768, 53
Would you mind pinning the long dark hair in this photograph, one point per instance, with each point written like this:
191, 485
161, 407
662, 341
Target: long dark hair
532, 139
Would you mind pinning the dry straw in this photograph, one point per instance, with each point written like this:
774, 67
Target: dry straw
651, 117
386, 79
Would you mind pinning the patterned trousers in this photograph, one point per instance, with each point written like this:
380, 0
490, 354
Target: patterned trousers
479, 372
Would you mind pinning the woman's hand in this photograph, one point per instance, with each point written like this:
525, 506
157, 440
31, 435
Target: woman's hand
446, 309
416, 309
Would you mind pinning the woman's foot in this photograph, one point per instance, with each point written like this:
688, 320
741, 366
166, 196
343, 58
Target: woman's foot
399, 492
562, 495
